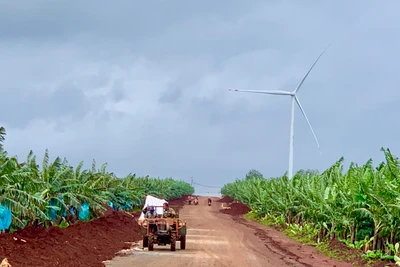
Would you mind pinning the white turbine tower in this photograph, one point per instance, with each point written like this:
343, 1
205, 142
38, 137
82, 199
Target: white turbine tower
294, 99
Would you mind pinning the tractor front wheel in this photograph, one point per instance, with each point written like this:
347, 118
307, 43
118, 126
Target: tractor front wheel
151, 242
173, 241
183, 241
145, 241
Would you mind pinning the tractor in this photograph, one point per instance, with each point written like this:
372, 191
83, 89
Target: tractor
163, 231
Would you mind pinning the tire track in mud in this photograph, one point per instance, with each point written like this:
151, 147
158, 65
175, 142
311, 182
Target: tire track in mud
288, 257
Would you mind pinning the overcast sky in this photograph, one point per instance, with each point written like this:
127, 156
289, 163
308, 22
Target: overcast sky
143, 86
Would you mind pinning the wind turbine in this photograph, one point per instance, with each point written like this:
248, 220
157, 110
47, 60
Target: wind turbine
294, 99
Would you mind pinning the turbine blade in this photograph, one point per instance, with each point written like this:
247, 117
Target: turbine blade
309, 124
315, 62
276, 92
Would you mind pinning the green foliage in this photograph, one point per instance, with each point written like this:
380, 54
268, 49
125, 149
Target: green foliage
303, 233
254, 174
360, 207
358, 244
33, 193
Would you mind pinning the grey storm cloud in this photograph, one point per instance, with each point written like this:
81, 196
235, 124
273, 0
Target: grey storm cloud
144, 85
20, 108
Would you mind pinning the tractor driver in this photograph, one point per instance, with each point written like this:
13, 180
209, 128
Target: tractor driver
168, 212
151, 213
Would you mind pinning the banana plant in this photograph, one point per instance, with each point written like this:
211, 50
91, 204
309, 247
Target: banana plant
53, 191
354, 205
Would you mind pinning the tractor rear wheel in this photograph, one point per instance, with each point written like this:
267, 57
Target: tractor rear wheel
151, 242
183, 241
173, 242
145, 241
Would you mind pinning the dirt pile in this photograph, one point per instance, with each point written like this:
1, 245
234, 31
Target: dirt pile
236, 209
233, 208
82, 244
225, 199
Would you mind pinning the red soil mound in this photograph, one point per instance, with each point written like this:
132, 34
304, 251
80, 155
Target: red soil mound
236, 209
226, 199
81, 244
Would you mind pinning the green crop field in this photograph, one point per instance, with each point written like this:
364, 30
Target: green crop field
49, 192
360, 206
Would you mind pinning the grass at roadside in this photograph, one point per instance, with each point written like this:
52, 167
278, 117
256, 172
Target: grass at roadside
306, 235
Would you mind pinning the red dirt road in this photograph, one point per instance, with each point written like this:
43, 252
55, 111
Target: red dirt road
218, 239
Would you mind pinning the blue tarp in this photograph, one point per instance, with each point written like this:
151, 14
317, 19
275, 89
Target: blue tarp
71, 210
5, 218
127, 206
112, 205
83, 214
53, 212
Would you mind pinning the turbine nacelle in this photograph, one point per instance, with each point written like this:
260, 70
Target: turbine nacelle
295, 98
